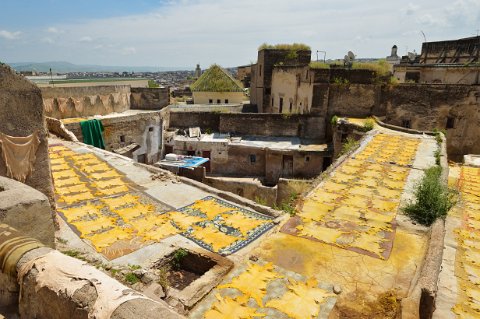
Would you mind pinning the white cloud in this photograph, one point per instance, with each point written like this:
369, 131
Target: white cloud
85, 39
54, 30
228, 32
10, 35
48, 40
129, 51
411, 9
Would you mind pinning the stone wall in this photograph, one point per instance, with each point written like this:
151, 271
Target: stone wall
145, 129
303, 126
250, 189
291, 125
427, 107
65, 102
204, 120
21, 114
27, 210
149, 98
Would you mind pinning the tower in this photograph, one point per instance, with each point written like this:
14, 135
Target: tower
198, 71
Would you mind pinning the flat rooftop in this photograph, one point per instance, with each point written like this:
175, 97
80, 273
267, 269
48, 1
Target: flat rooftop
271, 142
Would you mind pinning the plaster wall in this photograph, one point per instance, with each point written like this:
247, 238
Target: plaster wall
21, 114
82, 101
224, 97
145, 129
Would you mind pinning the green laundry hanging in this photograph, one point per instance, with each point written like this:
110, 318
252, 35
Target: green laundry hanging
92, 133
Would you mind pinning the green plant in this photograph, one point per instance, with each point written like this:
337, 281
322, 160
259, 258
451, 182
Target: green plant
61, 240
208, 130
438, 135
349, 145
288, 205
72, 253
178, 256
437, 156
163, 277
290, 47
152, 84
334, 120
341, 81
260, 200
131, 278
114, 271
134, 267
368, 125
432, 199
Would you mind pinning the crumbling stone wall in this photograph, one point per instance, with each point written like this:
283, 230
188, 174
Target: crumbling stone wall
149, 98
21, 114
82, 101
427, 107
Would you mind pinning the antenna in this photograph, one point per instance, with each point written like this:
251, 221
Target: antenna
424, 36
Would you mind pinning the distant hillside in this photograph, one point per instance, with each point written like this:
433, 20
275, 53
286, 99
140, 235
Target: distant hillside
66, 67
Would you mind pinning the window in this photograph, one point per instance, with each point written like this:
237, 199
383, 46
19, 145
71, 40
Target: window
122, 138
210, 101
307, 158
219, 101
406, 124
268, 91
253, 158
226, 101
291, 107
150, 129
259, 70
450, 122
280, 109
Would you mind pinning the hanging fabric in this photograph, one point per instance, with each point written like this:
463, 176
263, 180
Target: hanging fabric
19, 154
92, 133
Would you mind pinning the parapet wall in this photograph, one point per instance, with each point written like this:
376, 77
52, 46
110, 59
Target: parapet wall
65, 102
261, 124
149, 98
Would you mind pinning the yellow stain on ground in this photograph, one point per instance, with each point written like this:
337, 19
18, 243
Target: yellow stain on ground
253, 281
301, 300
103, 212
184, 221
74, 213
212, 236
359, 194
232, 308
210, 208
354, 272
108, 238
467, 266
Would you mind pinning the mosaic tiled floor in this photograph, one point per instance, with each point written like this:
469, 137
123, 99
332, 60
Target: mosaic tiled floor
355, 208
103, 207
267, 291
467, 265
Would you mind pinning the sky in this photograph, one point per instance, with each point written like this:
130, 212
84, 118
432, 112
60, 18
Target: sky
182, 33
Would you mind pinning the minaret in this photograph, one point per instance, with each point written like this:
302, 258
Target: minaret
198, 71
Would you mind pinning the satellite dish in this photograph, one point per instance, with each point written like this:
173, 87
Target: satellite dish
351, 55
412, 56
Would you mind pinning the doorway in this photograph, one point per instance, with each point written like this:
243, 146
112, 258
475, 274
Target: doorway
287, 166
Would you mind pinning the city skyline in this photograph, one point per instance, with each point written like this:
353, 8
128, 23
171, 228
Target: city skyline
184, 33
